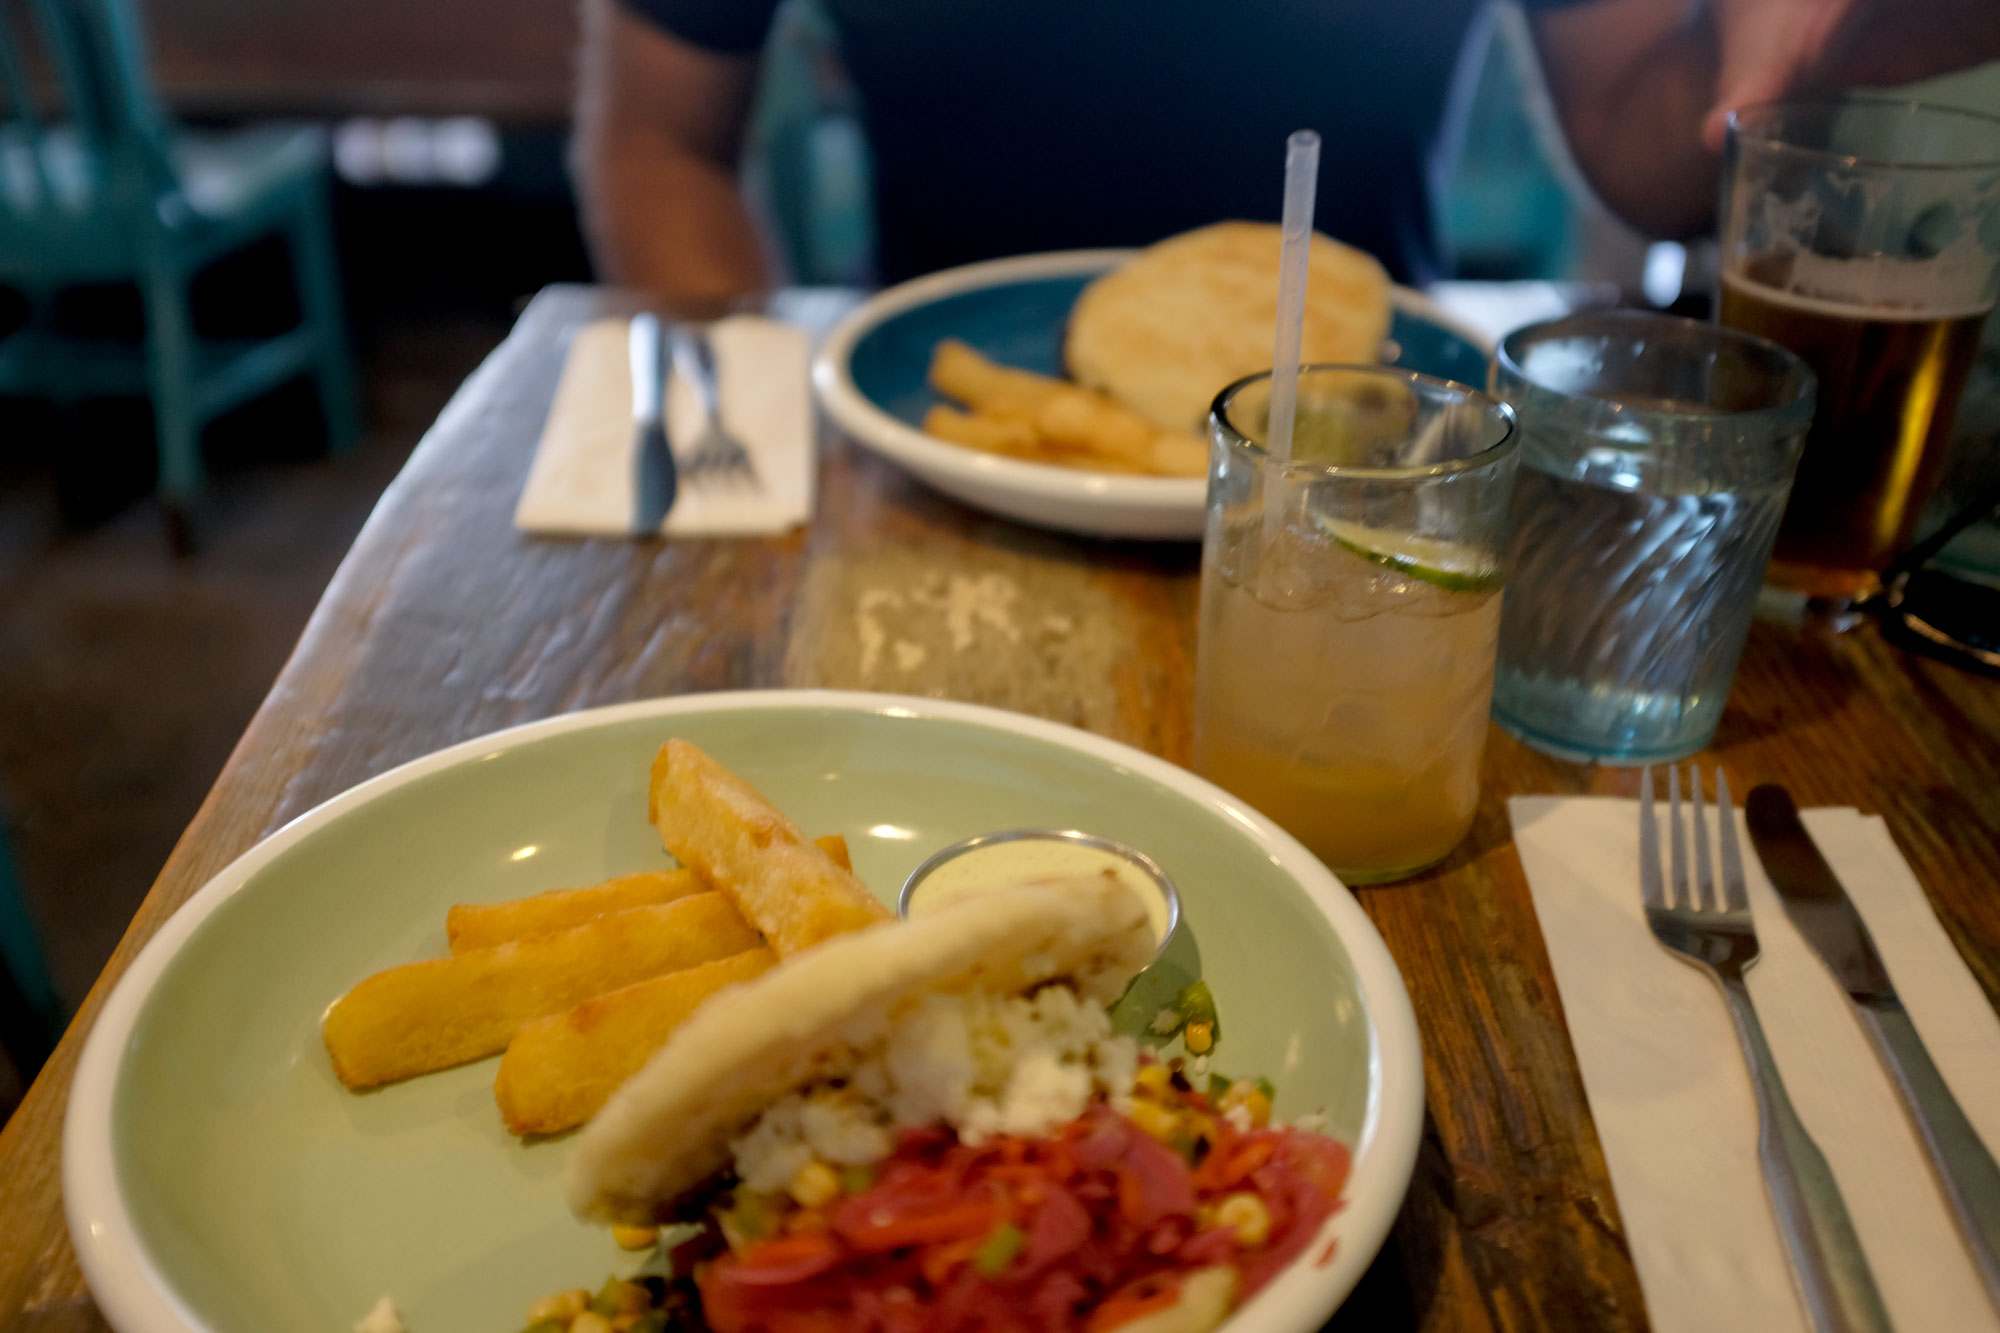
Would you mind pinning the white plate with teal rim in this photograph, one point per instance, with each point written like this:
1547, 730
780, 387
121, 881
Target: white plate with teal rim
219, 1179
870, 377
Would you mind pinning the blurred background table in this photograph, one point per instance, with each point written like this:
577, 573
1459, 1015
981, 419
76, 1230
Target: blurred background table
444, 622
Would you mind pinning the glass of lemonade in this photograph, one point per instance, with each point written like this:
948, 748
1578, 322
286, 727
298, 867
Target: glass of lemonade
1350, 606
1864, 235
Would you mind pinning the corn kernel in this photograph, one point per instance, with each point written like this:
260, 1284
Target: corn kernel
814, 1184
1199, 1037
1247, 1216
635, 1238
1251, 1098
561, 1307
1153, 1080
1155, 1120
590, 1322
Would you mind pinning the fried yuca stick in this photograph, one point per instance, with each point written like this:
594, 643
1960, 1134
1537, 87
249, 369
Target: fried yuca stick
957, 371
1094, 424
717, 824
558, 1071
441, 1012
483, 925
1179, 455
1069, 425
1015, 437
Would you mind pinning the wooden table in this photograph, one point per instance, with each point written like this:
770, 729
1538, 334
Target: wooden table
444, 623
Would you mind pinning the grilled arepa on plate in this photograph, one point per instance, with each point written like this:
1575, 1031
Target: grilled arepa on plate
1169, 329
668, 1129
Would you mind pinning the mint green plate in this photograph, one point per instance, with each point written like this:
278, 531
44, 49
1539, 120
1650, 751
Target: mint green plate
218, 1178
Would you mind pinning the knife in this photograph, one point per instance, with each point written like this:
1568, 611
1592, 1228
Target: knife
653, 482
1820, 909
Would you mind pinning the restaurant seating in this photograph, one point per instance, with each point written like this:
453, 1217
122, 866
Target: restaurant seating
98, 186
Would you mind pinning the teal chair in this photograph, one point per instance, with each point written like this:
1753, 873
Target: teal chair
98, 186
806, 158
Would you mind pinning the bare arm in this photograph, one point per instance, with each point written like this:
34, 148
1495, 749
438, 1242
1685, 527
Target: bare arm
1632, 81
659, 127
1644, 87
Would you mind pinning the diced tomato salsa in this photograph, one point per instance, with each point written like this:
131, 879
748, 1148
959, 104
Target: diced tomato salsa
1083, 1230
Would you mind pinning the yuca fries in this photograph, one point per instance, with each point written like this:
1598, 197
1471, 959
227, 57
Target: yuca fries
957, 371
1015, 436
558, 1071
1041, 419
716, 824
439, 1012
484, 925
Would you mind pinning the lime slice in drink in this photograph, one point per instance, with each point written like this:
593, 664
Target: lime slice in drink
1453, 566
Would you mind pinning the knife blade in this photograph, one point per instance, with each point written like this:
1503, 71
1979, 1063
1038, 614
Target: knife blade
1820, 908
1813, 897
653, 480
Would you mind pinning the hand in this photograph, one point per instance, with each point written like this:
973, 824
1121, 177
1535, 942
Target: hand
1782, 48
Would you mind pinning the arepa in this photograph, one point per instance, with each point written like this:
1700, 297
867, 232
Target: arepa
1181, 320
667, 1131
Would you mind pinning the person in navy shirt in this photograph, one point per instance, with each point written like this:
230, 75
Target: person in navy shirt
1011, 126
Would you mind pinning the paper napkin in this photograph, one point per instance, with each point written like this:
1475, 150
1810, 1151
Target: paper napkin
1671, 1095
582, 478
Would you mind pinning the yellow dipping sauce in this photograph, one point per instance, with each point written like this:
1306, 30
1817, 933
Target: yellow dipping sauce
1030, 858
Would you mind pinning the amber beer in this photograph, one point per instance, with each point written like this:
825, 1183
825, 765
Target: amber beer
1889, 382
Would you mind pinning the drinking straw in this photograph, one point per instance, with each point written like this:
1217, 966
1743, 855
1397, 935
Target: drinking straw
1301, 184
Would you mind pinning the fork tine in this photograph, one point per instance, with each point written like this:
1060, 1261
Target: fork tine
1650, 887
1734, 898
1704, 876
1677, 847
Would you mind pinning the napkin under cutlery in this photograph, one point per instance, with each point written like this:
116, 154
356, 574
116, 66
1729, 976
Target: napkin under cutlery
581, 481
1671, 1096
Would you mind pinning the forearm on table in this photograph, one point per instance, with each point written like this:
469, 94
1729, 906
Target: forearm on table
659, 219
1632, 81
659, 128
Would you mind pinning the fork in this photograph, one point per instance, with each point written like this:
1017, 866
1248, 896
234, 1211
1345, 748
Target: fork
1718, 936
717, 455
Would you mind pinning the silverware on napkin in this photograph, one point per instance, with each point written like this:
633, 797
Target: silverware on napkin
717, 454
653, 483
1712, 930
1819, 907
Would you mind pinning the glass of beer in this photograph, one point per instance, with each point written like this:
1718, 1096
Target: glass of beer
1863, 235
1350, 605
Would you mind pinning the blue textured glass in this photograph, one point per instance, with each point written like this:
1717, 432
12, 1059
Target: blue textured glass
1656, 455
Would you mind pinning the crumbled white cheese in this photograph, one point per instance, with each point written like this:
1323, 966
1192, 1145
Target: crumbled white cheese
1023, 1065
384, 1318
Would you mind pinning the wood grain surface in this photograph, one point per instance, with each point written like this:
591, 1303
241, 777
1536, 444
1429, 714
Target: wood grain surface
444, 623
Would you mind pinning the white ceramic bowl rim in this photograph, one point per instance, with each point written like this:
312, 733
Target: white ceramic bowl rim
135, 1297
